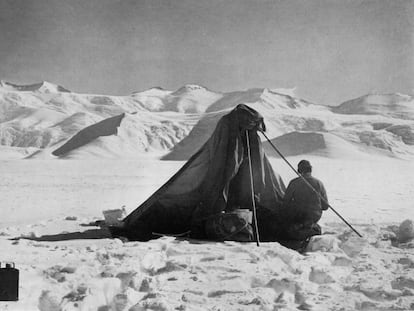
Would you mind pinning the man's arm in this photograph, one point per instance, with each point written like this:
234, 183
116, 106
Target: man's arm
288, 194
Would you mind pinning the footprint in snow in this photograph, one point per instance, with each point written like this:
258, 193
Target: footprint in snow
377, 294
408, 263
212, 258
320, 276
402, 283
48, 302
219, 293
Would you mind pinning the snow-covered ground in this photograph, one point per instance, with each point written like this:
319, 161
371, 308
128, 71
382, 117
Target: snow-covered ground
340, 271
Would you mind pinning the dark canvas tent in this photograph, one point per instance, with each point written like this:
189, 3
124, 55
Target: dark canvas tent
214, 180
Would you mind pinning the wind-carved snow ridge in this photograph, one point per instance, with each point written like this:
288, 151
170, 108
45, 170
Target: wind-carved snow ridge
43, 117
106, 127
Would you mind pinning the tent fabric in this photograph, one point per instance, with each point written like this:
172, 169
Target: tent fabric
215, 179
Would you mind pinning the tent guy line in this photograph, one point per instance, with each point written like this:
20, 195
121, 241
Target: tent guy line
307, 183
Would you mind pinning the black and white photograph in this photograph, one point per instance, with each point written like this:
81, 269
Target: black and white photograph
206, 155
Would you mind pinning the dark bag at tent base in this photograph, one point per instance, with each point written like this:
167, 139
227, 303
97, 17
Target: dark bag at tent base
228, 226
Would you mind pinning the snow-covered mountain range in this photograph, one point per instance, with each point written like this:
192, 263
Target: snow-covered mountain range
45, 120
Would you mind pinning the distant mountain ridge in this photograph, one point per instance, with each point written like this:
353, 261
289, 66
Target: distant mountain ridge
394, 105
38, 119
44, 86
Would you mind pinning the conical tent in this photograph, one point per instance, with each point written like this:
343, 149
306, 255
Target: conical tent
215, 179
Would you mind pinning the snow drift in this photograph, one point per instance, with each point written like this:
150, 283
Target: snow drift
297, 143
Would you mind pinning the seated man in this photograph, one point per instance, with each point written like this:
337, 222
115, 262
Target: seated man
303, 205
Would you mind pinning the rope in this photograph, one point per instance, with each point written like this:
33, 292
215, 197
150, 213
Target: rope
256, 230
310, 186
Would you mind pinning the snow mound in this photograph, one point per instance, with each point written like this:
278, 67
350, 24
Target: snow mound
406, 231
296, 143
393, 105
123, 136
106, 127
314, 143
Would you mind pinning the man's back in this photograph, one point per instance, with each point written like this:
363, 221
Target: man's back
299, 195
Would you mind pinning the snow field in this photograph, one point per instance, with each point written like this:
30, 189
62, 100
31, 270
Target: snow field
339, 272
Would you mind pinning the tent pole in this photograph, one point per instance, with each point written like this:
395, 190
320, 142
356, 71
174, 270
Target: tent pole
308, 184
252, 190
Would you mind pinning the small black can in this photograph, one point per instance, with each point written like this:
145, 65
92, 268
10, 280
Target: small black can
9, 283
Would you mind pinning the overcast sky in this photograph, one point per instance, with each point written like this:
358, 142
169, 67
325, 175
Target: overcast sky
330, 50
